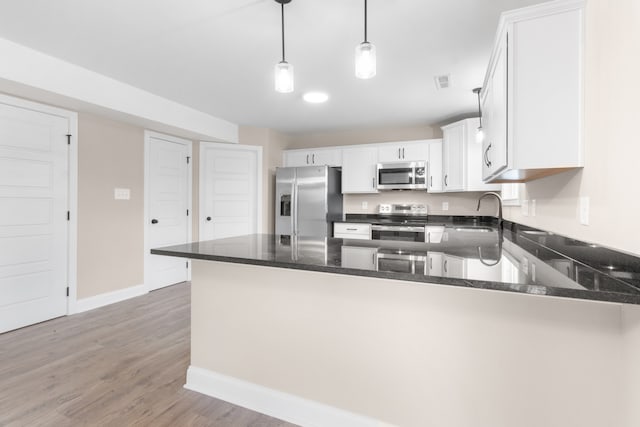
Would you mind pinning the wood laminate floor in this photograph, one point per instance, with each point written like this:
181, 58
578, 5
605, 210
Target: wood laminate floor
120, 365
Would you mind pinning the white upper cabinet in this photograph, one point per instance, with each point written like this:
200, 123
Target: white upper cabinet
462, 158
318, 156
454, 161
409, 151
533, 92
435, 166
359, 169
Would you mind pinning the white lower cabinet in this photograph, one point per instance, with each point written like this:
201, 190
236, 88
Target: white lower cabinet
434, 263
358, 257
453, 266
348, 230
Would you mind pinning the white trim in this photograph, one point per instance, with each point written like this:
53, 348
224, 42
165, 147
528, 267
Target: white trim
86, 304
72, 86
148, 134
201, 177
72, 192
272, 402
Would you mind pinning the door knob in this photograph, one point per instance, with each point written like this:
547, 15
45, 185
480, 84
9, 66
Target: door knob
154, 221
208, 218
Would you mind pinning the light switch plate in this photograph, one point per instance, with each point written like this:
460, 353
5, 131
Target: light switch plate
445, 206
584, 210
121, 193
365, 205
525, 207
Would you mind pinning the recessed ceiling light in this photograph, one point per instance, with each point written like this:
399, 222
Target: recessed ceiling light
315, 97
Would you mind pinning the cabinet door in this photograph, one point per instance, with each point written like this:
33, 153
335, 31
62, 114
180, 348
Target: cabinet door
415, 152
453, 157
435, 167
360, 258
494, 147
390, 153
296, 158
359, 170
331, 157
453, 266
435, 263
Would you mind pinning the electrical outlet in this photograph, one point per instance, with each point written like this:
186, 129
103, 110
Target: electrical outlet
584, 210
525, 207
445, 206
365, 205
533, 207
121, 194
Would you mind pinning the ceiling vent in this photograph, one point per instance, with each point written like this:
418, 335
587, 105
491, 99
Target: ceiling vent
443, 82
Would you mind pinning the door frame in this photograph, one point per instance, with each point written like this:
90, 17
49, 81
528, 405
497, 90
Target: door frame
148, 134
72, 188
201, 177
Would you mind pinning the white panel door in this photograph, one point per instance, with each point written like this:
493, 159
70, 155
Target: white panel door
229, 190
168, 205
33, 216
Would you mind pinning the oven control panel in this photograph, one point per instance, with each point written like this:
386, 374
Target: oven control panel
402, 209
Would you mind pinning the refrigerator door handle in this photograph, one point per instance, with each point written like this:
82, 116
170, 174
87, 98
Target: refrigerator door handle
294, 209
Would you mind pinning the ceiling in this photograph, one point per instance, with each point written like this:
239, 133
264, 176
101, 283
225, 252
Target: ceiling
218, 55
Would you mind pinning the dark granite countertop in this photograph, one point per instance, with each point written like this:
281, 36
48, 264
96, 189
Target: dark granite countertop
471, 252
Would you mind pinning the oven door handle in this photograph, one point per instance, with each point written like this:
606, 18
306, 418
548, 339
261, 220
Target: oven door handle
412, 229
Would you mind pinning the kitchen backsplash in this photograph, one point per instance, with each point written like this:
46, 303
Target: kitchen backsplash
459, 203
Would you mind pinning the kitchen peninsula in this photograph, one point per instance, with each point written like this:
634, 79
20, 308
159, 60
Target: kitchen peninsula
513, 330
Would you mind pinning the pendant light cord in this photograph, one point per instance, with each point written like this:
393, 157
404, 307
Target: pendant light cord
365, 21
282, 20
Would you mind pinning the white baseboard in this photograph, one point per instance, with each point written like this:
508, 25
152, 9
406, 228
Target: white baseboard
101, 300
286, 407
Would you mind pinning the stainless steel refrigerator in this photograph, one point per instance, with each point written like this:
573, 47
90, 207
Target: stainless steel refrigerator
308, 200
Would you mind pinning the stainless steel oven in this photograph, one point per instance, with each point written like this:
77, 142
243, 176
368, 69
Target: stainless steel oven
405, 233
402, 176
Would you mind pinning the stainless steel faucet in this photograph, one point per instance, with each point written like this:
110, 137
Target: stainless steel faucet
497, 196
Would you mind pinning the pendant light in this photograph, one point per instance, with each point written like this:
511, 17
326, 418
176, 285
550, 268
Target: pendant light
365, 54
480, 131
283, 70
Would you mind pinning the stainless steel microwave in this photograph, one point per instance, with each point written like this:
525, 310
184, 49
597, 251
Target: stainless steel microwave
402, 176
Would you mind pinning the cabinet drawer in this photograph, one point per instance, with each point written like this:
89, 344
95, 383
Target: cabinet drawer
352, 230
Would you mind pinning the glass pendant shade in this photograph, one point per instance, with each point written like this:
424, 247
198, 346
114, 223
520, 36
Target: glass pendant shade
284, 77
480, 135
365, 60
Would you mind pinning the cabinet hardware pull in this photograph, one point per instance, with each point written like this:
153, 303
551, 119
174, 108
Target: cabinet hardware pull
352, 229
313, 158
307, 159
373, 183
445, 265
431, 179
154, 221
399, 157
403, 153
486, 156
208, 218
446, 184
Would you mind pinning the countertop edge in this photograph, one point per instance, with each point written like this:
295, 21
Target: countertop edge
535, 290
